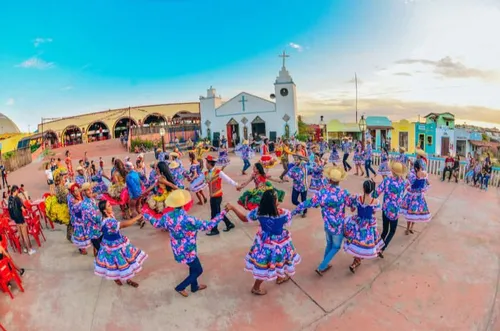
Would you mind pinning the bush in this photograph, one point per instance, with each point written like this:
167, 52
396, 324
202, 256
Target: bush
138, 142
34, 147
302, 137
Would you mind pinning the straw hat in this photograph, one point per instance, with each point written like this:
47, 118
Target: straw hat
402, 149
335, 174
421, 152
158, 150
245, 142
86, 186
178, 198
140, 156
79, 168
174, 154
173, 165
398, 168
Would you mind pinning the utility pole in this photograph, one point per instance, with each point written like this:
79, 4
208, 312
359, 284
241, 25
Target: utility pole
356, 82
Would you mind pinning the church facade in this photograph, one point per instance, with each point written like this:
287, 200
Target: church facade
247, 114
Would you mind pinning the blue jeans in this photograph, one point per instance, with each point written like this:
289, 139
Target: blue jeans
485, 180
333, 244
246, 165
295, 198
195, 270
368, 168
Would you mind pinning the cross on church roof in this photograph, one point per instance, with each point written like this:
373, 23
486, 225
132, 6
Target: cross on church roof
284, 55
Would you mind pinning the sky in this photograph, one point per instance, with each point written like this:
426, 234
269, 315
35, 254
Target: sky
411, 57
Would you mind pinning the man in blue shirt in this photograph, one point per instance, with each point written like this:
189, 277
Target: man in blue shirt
133, 181
346, 148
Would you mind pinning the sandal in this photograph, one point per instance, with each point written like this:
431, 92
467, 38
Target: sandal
199, 203
184, 293
201, 287
411, 231
407, 232
321, 272
380, 255
280, 281
132, 283
118, 282
259, 292
142, 224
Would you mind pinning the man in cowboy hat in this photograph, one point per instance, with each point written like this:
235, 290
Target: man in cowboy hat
393, 188
332, 200
200, 150
346, 148
80, 176
214, 178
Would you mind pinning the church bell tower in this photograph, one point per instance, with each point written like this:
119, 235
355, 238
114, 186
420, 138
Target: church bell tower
286, 99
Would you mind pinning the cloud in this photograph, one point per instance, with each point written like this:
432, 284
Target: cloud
403, 74
36, 63
448, 68
298, 47
38, 41
10, 102
395, 109
67, 88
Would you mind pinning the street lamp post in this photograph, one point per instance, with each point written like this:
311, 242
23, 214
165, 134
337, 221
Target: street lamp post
162, 135
322, 127
362, 128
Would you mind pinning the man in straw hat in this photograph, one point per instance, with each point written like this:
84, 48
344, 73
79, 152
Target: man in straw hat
346, 148
393, 187
332, 200
183, 230
214, 179
80, 176
402, 157
422, 158
245, 152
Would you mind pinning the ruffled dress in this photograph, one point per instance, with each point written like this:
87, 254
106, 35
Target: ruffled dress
358, 156
267, 160
197, 177
360, 232
383, 169
100, 186
92, 218
80, 236
56, 206
117, 259
250, 199
317, 180
223, 159
178, 175
117, 192
272, 254
414, 206
69, 166
334, 156
244, 151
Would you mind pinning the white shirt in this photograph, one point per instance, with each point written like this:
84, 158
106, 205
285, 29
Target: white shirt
49, 174
227, 179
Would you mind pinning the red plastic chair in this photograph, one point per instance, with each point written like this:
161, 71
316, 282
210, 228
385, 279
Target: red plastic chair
43, 213
2, 328
35, 228
8, 273
11, 232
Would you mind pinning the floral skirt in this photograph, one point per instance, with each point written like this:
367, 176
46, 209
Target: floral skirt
358, 160
56, 212
80, 236
115, 190
251, 199
268, 161
118, 259
99, 188
334, 158
223, 161
415, 209
198, 184
272, 256
316, 184
383, 169
361, 237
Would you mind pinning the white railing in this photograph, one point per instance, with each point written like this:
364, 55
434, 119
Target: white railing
435, 166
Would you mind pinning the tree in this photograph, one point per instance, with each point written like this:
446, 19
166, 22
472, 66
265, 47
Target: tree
303, 127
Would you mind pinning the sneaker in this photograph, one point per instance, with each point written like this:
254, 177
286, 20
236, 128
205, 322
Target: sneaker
31, 251
25, 251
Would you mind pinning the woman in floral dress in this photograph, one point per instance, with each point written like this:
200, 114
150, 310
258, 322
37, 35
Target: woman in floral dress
80, 236
99, 186
197, 179
155, 205
223, 159
250, 199
91, 217
414, 206
362, 238
383, 168
183, 230
117, 192
334, 155
177, 174
316, 172
56, 206
359, 160
117, 258
272, 255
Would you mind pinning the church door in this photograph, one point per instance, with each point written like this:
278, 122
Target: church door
233, 130
258, 127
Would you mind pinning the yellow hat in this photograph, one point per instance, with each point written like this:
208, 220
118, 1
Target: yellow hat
86, 186
178, 198
173, 165
398, 168
79, 168
421, 152
402, 149
334, 173
245, 142
158, 150
174, 154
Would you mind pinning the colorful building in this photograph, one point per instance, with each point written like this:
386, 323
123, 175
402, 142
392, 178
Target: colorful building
403, 135
9, 135
336, 130
465, 138
441, 127
379, 129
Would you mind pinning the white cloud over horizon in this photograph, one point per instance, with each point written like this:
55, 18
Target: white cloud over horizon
38, 41
297, 47
36, 63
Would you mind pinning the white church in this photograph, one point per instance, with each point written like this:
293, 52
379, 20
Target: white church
246, 114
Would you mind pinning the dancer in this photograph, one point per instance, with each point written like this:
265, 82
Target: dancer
183, 230
316, 171
285, 154
177, 174
91, 217
214, 179
323, 146
164, 185
267, 160
56, 206
414, 205
362, 238
272, 255
402, 157
332, 200
197, 179
334, 155
368, 160
135, 191
250, 199
223, 159
98, 185
383, 168
200, 150
346, 148
486, 175
358, 159
175, 156
298, 174
246, 153
69, 165
422, 158
80, 236
393, 189
80, 177
117, 258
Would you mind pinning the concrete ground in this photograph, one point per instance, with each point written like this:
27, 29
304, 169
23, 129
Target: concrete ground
444, 277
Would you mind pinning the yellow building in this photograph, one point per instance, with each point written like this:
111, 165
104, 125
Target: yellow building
9, 134
112, 123
336, 130
403, 135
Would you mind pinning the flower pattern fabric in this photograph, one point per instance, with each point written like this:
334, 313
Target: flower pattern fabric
334, 155
80, 235
100, 186
80, 179
183, 230
178, 175
414, 205
244, 152
383, 169
317, 180
223, 158
197, 178
358, 155
272, 253
92, 218
393, 189
368, 152
298, 174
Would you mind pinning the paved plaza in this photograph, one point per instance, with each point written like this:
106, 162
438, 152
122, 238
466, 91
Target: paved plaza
444, 277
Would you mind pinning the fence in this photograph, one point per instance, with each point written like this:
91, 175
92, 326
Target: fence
16, 159
435, 166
